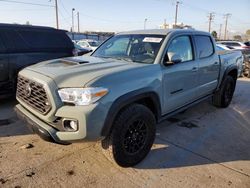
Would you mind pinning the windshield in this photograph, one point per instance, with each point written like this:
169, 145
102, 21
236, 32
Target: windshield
77, 46
94, 44
135, 48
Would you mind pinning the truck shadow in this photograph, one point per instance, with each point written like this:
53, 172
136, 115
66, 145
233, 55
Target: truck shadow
205, 135
10, 125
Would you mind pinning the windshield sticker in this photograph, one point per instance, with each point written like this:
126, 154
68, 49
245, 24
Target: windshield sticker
152, 39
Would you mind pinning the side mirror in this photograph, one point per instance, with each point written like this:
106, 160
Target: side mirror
172, 58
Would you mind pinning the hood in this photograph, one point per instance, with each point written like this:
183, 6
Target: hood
78, 71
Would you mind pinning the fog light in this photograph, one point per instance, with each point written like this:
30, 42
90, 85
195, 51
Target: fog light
70, 125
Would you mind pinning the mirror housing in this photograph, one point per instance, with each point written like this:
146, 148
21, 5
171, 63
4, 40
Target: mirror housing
172, 59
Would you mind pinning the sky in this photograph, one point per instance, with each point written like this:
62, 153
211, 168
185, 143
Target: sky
123, 15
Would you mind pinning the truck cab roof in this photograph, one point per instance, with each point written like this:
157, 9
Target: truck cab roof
163, 32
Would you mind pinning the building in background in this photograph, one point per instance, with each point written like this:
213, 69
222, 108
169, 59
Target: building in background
177, 26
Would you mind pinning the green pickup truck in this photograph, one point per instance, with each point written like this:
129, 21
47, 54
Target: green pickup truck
119, 93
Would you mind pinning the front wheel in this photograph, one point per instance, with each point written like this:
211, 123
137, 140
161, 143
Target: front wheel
223, 97
132, 136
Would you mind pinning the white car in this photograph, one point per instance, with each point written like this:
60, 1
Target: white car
234, 44
89, 44
222, 47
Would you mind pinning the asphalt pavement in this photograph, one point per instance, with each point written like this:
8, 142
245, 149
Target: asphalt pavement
202, 147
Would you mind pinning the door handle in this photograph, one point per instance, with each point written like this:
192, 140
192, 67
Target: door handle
194, 69
216, 63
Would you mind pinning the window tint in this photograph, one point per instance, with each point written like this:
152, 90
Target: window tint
2, 47
204, 45
182, 46
13, 41
32, 40
45, 39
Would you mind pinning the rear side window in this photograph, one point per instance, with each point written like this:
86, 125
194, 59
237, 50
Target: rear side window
45, 39
205, 47
13, 41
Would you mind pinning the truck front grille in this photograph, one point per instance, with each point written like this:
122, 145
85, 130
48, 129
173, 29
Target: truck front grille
33, 94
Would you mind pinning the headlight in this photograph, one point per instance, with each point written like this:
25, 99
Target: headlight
82, 96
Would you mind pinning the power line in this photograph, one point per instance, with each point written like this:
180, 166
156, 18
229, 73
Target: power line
27, 3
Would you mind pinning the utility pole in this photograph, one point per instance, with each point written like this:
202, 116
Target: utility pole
226, 17
176, 12
78, 22
210, 19
220, 31
145, 22
57, 21
72, 29
165, 24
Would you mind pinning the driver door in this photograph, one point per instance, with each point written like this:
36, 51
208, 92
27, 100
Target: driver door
180, 80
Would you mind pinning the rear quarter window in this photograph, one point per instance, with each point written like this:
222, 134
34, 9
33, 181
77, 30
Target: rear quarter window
204, 45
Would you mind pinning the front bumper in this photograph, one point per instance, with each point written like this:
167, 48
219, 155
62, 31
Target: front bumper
37, 126
89, 127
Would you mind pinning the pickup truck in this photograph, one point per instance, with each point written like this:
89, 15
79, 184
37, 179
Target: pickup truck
119, 93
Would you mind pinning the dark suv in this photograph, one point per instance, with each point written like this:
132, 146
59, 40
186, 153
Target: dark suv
21, 46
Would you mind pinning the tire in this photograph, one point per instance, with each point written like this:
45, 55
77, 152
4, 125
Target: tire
223, 97
132, 136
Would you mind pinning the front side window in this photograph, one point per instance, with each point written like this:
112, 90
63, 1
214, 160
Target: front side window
134, 48
182, 46
205, 47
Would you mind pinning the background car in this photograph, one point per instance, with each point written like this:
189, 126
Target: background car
22, 45
89, 44
230, 54
80, 50
234, 44
223, 47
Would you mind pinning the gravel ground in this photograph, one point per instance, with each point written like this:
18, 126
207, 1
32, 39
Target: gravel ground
203, 147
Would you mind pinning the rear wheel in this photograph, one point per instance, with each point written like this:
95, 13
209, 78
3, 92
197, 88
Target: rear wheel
132, 136
223, 97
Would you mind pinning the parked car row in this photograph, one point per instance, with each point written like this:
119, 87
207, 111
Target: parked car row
234, 45
242, 50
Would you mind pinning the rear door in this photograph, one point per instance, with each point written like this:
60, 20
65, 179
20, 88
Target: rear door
209, 66
180, 80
